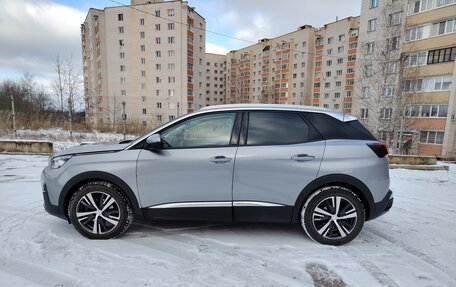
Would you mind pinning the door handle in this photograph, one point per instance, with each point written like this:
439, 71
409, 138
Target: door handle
220, 159
302, 157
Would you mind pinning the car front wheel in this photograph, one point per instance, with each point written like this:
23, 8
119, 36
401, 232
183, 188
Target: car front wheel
333, 216
98, 210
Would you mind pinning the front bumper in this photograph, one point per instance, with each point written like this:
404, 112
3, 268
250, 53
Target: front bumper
383, 206
48, 206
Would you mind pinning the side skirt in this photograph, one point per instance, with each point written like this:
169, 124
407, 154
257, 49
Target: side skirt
238, 211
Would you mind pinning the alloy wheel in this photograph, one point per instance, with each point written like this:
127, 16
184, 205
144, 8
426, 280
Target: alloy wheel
98, 212
334, 217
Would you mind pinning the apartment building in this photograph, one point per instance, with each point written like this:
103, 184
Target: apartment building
214, 90
277, 70
429, 76
334, 69
149, 60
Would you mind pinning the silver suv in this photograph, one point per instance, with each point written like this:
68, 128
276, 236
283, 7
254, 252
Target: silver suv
230, 163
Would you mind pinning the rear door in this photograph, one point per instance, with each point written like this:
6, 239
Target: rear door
279, 154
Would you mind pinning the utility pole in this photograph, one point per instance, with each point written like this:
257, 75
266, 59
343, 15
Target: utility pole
124, 119
70, 112
14, 116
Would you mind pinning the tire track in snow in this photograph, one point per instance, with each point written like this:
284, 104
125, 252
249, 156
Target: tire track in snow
38, 274
413, 252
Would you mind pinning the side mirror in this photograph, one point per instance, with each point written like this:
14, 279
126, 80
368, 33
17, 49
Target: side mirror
154, 142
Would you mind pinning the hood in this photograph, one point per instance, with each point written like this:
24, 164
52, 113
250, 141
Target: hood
89, 149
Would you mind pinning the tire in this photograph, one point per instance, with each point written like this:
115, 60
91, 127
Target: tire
103, 203
320, 221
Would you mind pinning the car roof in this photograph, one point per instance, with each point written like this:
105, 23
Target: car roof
276, 107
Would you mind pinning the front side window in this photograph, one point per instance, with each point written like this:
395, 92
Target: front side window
276, 128
201, 131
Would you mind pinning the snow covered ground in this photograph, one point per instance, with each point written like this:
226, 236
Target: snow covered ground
413, 245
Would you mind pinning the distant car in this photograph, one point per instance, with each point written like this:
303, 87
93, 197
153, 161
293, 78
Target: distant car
230, 163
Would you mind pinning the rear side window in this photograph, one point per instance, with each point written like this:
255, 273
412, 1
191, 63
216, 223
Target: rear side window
332, 128
276, 128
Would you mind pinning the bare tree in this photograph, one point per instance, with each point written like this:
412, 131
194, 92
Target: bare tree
57, 86
380, 72
68, 85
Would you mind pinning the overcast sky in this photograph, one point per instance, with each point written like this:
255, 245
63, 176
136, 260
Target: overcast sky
32, 31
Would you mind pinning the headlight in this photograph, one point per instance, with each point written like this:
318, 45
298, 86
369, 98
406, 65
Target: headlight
57, 162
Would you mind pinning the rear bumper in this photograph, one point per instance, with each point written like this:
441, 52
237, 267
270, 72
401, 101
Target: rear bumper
383, 206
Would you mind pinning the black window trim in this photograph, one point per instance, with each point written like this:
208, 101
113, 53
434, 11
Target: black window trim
245, 122
234, 140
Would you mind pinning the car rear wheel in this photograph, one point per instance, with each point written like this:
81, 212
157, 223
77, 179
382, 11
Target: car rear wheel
98, 210
333, 215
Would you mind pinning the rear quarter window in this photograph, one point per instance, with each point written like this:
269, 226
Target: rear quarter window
332, 128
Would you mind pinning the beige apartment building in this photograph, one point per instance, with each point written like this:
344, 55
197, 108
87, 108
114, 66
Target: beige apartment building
149, 60
334, 69
404, 84
277, 70
429, 77
214, 90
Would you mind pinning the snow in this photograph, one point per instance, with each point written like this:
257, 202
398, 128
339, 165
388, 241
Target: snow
412, 245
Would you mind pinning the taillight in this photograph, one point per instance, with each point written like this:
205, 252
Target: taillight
380, 149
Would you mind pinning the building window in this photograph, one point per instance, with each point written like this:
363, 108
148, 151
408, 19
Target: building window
385, 113
364, 113
171, 26
142, 34
170, 40
171, 53
122, 68
340, 61
158, 40
395, 18
370, 48
143, 61
171, 66
122, 55
157, 27
431, 137
157, 80
121, 30
443, 27
366, 92
329, 63
415, 33
143, 48
171, 79
388, 91
144, 111
159, 105
158, 54
330, 40
415, 59
141, 21
157, 13
121, 43
120, 17
441, 55
391, 67
371, 25
340, 49
368, 71
143, 73
373, 4
170, 12
394, 43
341, 37
158, 67
329, 51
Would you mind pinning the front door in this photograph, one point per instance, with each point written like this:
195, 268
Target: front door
191, 177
